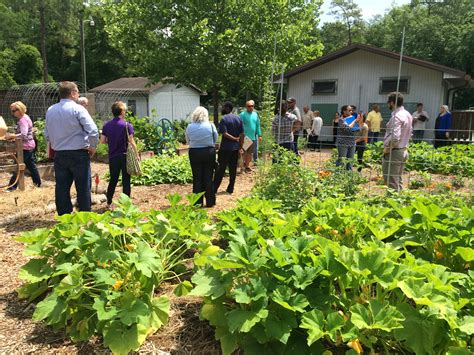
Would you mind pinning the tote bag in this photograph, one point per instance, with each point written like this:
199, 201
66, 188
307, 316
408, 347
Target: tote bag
133, 162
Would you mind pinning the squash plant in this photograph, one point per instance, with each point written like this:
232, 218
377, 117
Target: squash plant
456, 159
281, 284
100, 274
167, 168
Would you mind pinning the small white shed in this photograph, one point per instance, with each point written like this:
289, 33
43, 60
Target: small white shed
160, 100
363, 75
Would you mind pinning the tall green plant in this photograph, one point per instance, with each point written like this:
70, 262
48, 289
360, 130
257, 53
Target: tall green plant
285, 181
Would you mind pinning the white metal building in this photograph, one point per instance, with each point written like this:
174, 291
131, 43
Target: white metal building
171, 101
363, 75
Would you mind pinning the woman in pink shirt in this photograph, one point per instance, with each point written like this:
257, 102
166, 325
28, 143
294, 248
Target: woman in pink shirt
24, 129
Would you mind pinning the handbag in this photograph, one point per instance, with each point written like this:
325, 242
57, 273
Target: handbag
133, 162
216, 161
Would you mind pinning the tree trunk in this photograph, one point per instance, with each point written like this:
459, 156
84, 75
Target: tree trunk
215, 103
43, 41
350, 34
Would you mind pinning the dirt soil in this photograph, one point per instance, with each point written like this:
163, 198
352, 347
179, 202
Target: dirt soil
33, 208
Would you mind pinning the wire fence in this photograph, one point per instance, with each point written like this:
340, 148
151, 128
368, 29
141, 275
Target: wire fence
37, 98
421, 165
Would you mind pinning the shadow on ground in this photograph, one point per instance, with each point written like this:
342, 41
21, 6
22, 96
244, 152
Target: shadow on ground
39, 335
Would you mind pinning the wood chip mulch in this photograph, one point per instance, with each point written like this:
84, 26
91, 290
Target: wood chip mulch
184, 333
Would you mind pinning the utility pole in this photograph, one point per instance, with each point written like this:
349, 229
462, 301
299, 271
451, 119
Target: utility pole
43, 40
83, 49
83, 53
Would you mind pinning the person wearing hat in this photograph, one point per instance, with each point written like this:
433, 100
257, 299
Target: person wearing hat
293, 109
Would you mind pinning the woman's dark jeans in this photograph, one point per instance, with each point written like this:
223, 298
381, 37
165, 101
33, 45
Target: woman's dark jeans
203, 161
29, 159
360, 148
116, 165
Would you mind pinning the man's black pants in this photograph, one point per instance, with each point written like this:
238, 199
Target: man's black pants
226, 158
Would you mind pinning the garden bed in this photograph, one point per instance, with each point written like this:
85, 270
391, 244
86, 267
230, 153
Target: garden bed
18, 333
185, 333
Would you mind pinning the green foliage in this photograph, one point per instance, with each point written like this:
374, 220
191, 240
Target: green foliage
214, 43
363, 274
28, 64
350, 15
286, 181
151, 134
179, 128
449, 22
100, 273
422, 180
102, 150
456, 159
22, 65
337, 181
167, 168
146, 130
7, 65
41, 152
294, 185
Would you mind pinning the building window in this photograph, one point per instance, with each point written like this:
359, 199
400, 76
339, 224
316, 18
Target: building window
324, 87
132, 107
388, 85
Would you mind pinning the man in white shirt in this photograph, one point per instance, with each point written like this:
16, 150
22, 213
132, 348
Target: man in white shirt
420, 118
316, 131
297, 132
308, 117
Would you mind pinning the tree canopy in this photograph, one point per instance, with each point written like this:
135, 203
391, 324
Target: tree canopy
224, 47
215, 43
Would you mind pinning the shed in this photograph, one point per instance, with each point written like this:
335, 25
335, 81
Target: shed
363, 75
144, 98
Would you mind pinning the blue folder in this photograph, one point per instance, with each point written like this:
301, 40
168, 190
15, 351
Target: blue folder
351, 119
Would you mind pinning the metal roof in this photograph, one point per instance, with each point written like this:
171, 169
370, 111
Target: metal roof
355, 47
139, 84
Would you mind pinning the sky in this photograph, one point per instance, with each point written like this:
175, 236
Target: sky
369, 8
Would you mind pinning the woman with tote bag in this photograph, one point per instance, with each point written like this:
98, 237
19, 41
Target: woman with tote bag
118, 135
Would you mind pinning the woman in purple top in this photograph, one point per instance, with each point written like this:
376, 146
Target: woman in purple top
24, 129
114, 134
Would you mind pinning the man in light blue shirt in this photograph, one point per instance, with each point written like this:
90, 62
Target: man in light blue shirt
252, 130
73, 136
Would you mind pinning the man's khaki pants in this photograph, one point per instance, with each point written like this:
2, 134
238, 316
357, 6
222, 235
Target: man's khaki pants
392, 167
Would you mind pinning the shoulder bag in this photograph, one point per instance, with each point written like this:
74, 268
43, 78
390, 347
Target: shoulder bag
133, 162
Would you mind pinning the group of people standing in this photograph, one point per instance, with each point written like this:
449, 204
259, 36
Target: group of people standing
355, 130
288, 126
241, 135
352, 135
73, 136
